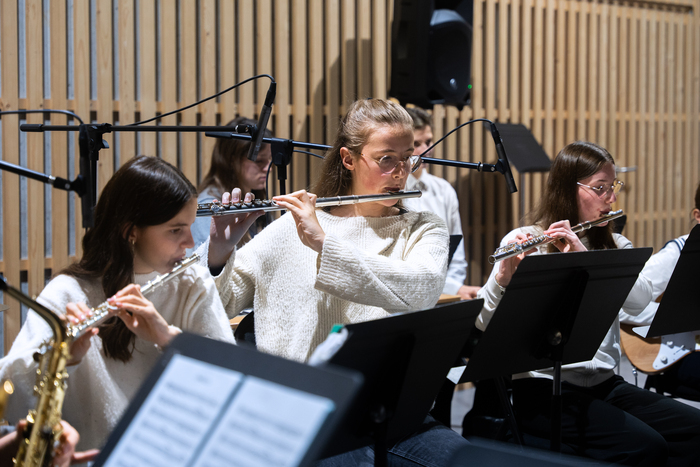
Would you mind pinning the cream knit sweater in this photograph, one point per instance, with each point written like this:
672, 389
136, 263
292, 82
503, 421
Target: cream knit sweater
100, 388
368, 269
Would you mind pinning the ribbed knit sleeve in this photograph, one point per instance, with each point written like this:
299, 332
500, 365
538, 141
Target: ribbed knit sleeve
411, 281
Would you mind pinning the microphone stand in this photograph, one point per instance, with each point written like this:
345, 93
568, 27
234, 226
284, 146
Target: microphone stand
282, 150
90, 143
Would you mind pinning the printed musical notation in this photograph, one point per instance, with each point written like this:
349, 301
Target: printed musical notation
199, 414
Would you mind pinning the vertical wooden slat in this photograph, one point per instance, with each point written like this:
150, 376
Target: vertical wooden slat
105, 88
477, 267
548, 78
81, 97
652, 187
147, 73
581, 75
364, 48
207, 67
333, 64
379, 76
572, 73
169, 73
515, 53
489, 90
634, 178
35, 147
188, 87
227, 61
560, 77
526, 87
59, 140
299, 165
538, 90
246, 58
603, 75
316, 85
283, 44
127, 75
348, 52
592, 132
9, 35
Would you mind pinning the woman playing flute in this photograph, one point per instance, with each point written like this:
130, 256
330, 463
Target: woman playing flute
603, 417
142, 229
311, 268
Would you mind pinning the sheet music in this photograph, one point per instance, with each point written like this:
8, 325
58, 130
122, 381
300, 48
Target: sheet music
176, 416
199, 414
266, 425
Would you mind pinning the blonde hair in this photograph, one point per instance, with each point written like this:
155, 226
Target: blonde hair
361, 120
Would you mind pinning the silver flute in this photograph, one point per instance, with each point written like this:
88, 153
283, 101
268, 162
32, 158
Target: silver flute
101, 312
514, 249
219, 209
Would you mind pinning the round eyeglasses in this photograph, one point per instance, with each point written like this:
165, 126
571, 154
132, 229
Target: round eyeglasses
604, 190
387, 164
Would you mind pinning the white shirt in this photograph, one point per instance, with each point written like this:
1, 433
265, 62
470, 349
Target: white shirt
439, 197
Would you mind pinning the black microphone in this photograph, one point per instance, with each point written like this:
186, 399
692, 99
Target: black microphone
259, 130
503, 166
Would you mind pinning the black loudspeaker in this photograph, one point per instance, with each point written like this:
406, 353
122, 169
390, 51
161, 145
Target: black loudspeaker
431, 49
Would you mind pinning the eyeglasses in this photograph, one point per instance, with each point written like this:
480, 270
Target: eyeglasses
387, 164
603, 191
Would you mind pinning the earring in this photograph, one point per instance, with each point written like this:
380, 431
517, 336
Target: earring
133, 242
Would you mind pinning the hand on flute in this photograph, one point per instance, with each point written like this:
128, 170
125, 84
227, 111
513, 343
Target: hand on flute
507, 267
302, 205
226, 231
565, 238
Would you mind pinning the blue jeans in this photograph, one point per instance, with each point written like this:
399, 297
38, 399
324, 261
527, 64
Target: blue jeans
432, 445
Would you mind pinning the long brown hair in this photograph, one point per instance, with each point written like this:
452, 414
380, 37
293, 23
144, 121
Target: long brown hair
226, 160
362, 118
575, 162
143, 192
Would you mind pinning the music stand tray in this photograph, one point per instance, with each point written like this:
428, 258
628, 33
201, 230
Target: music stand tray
557, 310
404, 359
543, 290
207, 402
677, 311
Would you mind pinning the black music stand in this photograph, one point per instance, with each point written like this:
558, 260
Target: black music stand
145, 431
537, 324
404, 360
677, 311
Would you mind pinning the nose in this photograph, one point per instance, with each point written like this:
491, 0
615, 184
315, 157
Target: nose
399, 170
188, 240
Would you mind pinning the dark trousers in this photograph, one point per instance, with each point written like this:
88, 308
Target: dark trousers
614, 422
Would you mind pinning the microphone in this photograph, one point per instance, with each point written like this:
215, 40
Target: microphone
259, 129
503, 166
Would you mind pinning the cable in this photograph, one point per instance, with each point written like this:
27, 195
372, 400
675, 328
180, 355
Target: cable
65, 112
203, 100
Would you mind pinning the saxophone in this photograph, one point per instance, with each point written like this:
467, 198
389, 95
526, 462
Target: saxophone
43, 423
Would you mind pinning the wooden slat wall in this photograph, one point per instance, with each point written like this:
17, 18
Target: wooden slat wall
623, 74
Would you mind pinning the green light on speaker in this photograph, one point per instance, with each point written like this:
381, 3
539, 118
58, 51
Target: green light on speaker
469, 86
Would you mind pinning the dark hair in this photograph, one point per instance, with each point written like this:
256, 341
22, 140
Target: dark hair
226, 159
145, 191
697, 197
421, 118
575, 162
361, 120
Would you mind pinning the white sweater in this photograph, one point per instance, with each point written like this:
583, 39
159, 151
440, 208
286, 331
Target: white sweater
608, 355
100, 388
368, 269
